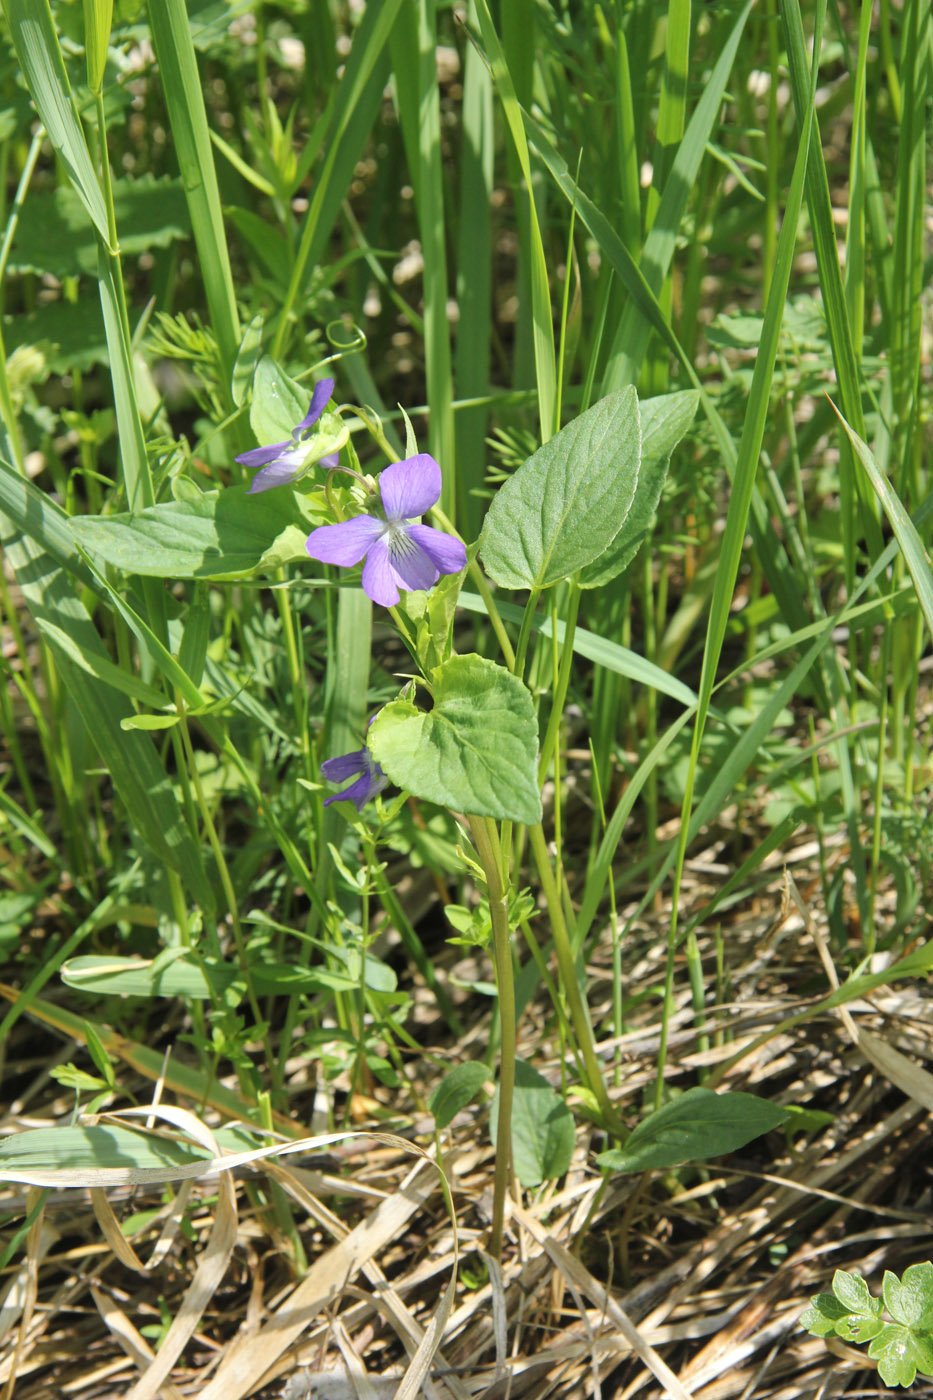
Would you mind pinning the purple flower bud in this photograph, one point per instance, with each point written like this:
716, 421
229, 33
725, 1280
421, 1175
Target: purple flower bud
348, 765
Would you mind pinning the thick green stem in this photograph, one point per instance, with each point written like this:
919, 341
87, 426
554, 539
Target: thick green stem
487, 846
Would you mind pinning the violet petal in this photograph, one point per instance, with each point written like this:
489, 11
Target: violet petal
447, 554
411, 487
345, 765
380, 581
345, 543
413, 566
319, 401
278, 473
259, 456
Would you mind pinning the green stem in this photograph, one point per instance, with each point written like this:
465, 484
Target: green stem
485, 592
524, 635
224, 873
563, 682
487, 846
579, 1013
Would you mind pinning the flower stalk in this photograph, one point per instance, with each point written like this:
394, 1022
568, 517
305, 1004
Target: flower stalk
486, 840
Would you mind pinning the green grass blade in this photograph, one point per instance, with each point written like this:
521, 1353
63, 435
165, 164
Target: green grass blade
34, 514
606, 653
908, 537
740, 500
135, 463
827, 260
753, 429
545, 356
631, 341
474, 284
131, 758
672, 105
181, 83
854, 282
413, 47
910, 208
778, 568
626, 141
36, 43
357, 103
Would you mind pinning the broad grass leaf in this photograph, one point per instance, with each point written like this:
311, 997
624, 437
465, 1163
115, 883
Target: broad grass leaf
543, 1133
92, 1149
149, 723
458, 1088
476, 751
284, 979
565, 505
121, 976
692, 1128
664, 421
245, 365
98, 18
278, 405
222, 535
602, 650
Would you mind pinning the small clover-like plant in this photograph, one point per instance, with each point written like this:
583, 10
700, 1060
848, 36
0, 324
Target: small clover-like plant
902, 1346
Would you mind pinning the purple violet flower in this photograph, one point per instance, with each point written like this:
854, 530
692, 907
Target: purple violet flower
347, 765
400, 552
282, 461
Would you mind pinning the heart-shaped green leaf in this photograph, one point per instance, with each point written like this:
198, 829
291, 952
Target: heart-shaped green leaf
218, 535
476, 751
543, 1133
278, 405
566, 504
664, 420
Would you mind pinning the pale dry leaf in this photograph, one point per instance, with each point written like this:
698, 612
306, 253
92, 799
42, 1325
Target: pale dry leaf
408, 1329
110, 1228
323, 1284
132, 1341
911, 1079
571, 1268
208, 1276
16, 1293
361, 1388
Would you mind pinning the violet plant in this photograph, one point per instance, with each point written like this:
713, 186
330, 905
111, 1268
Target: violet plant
463, 732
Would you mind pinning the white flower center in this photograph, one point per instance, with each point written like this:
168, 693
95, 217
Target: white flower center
398, 541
